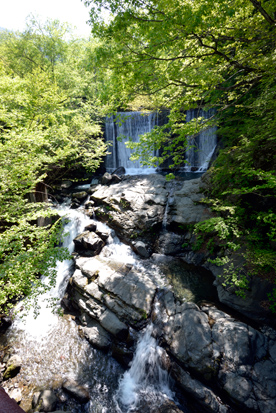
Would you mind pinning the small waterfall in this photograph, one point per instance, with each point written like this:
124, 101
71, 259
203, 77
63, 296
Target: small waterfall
47, 319
131, 125
145, 380
203, 145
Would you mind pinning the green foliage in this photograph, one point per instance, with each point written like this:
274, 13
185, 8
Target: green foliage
194, 54
49, 124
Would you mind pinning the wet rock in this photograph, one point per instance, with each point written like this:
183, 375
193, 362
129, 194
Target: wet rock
106, 284
189, 336
89, 241
103, 234
119, 171
79, 195
95, 333
122, 354
115, 178
45, 401
134, 205
106, 179
76, 390
170, 243
204, 395
89, 204
75, 204
141, 249
13, 367
91, 227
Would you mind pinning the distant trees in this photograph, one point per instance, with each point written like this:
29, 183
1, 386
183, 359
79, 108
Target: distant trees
49, 123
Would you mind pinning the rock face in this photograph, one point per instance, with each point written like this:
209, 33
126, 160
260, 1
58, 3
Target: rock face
89, 241
204, 343
211, 356
209, 343
185, 208
137, 208
108, 291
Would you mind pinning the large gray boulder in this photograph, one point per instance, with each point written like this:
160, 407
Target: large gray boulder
89, 241
133, 206
214, 346
185, 209
112, 293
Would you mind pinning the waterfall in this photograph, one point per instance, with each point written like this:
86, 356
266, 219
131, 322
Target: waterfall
134, 124
47, 319
146, 379
203, 145
131, 125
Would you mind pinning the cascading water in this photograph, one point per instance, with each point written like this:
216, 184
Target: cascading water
146, 380
133, 124
51, 349
203, 145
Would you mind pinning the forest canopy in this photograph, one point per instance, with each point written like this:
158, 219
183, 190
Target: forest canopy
50, 116
217, 54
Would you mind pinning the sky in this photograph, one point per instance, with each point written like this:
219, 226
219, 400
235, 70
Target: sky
13, 13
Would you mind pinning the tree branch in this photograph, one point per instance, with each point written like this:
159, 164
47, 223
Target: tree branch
260, 8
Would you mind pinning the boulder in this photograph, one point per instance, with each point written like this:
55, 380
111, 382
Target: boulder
76, 390
133, 206
79, 195
95, 333
106, 179
141, 249
91, 227
119, 171
102, 287
89, 241
45, 401
13, 367
115, 179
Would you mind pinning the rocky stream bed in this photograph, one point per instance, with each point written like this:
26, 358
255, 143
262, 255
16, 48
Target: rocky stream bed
210, 349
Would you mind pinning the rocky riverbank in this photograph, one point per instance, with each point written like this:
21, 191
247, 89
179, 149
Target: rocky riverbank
222, 363
211, 355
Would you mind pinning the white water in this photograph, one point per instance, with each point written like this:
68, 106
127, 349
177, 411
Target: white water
145, 380
47, 319
203, 145
52, 350
135, 124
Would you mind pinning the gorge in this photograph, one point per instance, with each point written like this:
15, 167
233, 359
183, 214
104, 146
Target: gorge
183, 344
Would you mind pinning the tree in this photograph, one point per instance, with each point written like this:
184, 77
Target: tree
49, 123
187, 54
